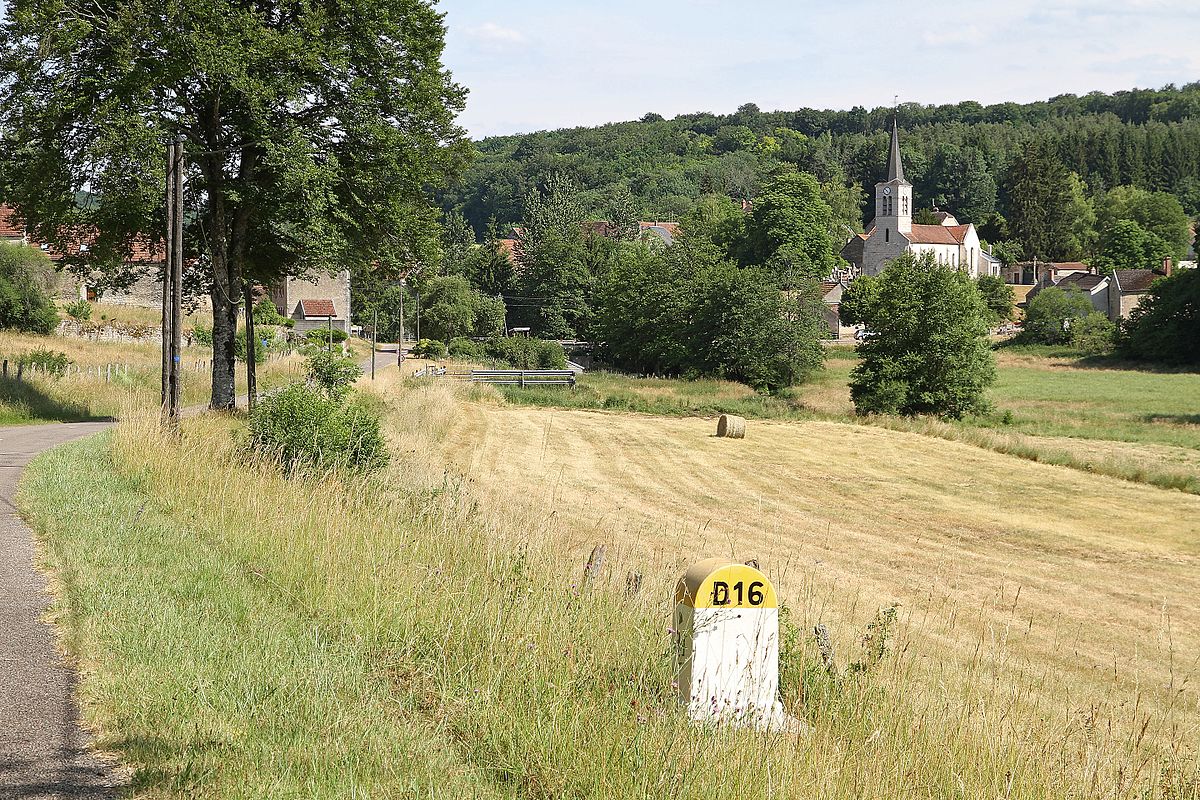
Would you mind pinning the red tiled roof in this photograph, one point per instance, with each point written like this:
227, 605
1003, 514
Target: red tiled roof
9, 229
670, 227
142, 250
317, 308
937, 234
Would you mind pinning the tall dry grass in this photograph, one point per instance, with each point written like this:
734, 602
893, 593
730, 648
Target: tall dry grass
467, 618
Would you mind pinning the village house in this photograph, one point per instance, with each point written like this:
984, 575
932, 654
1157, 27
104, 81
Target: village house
893, 232
1115, 295
315, 302
144, 264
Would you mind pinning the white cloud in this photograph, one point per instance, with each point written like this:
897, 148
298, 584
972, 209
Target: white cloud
491, 34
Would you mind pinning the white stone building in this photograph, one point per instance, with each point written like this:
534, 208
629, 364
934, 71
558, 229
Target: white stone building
893, 231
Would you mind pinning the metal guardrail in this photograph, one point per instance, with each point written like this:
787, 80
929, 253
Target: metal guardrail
506, 377
523, 377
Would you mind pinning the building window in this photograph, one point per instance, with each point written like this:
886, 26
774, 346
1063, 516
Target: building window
904, 206
887, 235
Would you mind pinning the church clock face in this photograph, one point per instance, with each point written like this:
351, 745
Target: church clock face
887, 190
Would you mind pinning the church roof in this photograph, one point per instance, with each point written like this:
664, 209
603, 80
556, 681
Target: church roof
895, 170
937, 234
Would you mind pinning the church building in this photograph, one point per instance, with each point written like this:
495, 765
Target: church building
893, 231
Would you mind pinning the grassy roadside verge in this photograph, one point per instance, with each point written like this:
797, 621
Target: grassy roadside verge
203, 673
243, 635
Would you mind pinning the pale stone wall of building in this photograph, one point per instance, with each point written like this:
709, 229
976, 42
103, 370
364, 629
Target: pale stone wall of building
288, 295
885, 245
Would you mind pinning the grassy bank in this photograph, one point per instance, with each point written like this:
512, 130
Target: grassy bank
92, 391
243, 635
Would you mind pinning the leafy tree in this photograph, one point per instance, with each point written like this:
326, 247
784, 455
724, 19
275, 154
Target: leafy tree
925, 216
458, 244
1051, 314
332, 374
556, 281
491, 268
1083, 220
1040, 203
744, 329
687, 310
451, 308
624, 212
1165, 326
789, 230
25, 276
1124, 244
928, 353
1158, 213
997, 296
859, 300
315, 135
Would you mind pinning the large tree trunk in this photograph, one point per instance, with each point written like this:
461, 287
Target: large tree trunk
225, 310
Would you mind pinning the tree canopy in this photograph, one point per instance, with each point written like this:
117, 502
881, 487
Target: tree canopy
926, 350
314, 134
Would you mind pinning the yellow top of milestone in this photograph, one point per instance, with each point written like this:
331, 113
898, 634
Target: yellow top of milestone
719, 583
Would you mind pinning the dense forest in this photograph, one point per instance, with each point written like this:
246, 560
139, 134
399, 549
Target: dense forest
959, 157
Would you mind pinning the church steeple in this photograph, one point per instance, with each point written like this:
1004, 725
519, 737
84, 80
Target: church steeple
893, 196
895, 165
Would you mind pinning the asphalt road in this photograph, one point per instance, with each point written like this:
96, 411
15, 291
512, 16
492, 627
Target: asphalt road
44, 753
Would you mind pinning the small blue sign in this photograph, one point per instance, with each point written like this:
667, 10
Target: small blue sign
176, 359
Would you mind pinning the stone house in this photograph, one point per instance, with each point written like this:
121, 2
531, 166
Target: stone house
1094, 287
312, 301
1126, 288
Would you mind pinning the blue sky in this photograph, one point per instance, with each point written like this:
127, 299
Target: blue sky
537, 64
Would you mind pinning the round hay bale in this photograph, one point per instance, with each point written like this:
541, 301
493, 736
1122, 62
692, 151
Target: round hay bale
731, 427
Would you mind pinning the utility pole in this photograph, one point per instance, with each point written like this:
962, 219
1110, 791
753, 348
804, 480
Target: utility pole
418, 315
329, 334
173, 284
374, 339
167, 318
400, 337
251, 348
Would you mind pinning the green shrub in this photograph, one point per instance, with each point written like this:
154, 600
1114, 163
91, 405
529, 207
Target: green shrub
302, 427
1050, 315
51, 361
1165, 327
465, 349
331, 373
202, 334
1093, 334
265, 313
322, 337
24, 305
80, 310
430, 348
521, 352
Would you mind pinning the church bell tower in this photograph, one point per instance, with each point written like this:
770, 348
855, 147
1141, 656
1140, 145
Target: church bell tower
893, 197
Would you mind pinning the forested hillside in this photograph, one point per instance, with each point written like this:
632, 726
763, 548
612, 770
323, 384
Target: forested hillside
957, 156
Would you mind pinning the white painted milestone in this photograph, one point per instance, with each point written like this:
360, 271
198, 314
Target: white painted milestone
726, 627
